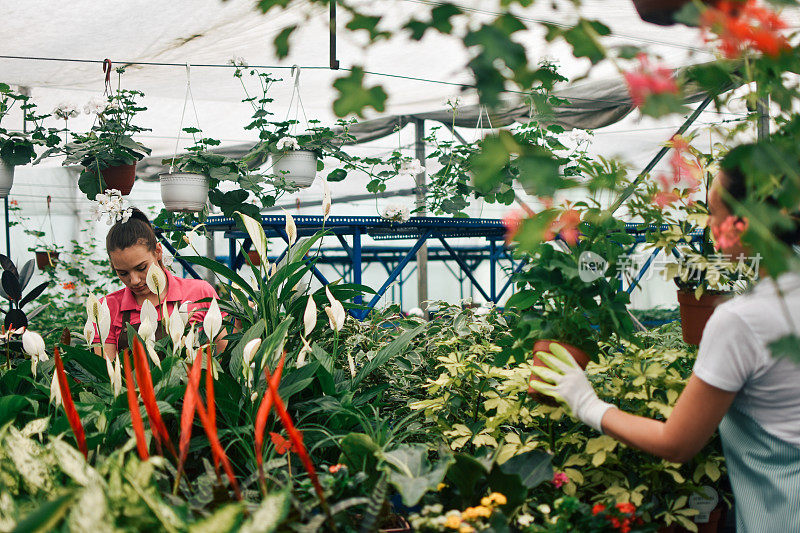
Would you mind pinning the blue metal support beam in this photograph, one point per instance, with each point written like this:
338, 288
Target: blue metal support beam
465, 268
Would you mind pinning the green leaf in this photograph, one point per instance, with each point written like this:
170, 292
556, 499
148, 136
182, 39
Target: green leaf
226, 519
358, 453
387, 352
337, 175
786, 346
369, 24
46, 516
255, 331
354, 97
465, 474
90, 185
281, 42
10, 407
269, 515
412, 474
223, 271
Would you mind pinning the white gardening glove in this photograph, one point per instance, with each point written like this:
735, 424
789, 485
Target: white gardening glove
567, 383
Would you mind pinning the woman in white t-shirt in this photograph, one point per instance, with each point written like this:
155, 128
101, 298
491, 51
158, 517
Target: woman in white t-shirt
737, 386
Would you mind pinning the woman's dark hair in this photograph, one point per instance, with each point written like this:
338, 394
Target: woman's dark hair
137, 230
735, 168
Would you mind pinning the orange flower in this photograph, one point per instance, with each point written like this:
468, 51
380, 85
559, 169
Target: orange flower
68, 286
739, 26
598, 508
335, 468
282, 445
565, 226
13, 202
626, 507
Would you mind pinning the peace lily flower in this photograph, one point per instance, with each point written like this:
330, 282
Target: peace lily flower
183, 309
273, 269
291, 229
89, 331
116, 381
212, 323
352, 365
175, 327
148, 318
33, 345
190, 342
55, 391
305, 350
326, 202
100, 314
250, 350
335, 312
156, 279
310, 316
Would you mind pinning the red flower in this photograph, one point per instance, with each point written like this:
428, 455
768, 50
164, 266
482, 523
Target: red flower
626, 507
512, 222
559, 479
598, 508
647, 80
133, 406
565, 226
68, 286
13, 202
282, 445
335, 468
728, 233
69, 406
739, 26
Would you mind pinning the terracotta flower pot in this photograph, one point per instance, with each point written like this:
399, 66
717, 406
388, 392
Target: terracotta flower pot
581, 357
254, 257
46, 259
120, 177
695, 313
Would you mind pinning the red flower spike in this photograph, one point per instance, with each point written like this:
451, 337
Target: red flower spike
133, 405
262, 414
297, 440
189, 406
145, 381
69, 406
210, 401
216, 447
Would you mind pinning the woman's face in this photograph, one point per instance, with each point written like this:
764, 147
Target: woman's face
131, 266
719, 212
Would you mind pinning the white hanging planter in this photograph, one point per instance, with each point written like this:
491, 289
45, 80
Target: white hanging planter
297, 166
184, 191
6, 178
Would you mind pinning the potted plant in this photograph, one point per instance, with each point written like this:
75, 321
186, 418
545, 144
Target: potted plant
676, 222
568, 294
107, 151
17, 148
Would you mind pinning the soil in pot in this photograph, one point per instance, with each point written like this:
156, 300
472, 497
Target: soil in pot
581, 357
120, 177
46, 259
695, 313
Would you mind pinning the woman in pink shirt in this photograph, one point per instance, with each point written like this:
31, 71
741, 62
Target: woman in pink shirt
132, 248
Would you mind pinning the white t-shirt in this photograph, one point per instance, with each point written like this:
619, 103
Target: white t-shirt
734, 355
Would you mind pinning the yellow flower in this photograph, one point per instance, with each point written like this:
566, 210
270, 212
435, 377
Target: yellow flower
440, 486
469, 513
498, 498
485, 501
483, 511
466, 528
453, 521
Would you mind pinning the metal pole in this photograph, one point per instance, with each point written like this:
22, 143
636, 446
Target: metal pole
334, 63
422, 254
661, 153
356, 262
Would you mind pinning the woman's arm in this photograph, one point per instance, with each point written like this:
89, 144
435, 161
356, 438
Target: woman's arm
696, 415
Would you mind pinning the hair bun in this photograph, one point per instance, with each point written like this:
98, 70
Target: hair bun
137, 214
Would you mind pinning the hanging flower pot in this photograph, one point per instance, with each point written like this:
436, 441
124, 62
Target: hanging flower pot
581, 357
695, 313
6, 178
661, 12
46, 259
120, 177
297, 166
184, 191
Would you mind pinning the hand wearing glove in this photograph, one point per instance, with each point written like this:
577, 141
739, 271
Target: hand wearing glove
566, 382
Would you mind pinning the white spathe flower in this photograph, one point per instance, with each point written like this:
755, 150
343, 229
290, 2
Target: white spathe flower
33, 345
109, 367
352, 365
55, 391
291, 228
104, 322
256, 232
93, 308
117, 381
190, 342
175, 326
326, 201
310, 316
147, 329
212, 323
305, 350
273, 269
411, 167
89, 331
287, 143
183, 309
335, 311
156, 279
149, 313
250, 350
396, 213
